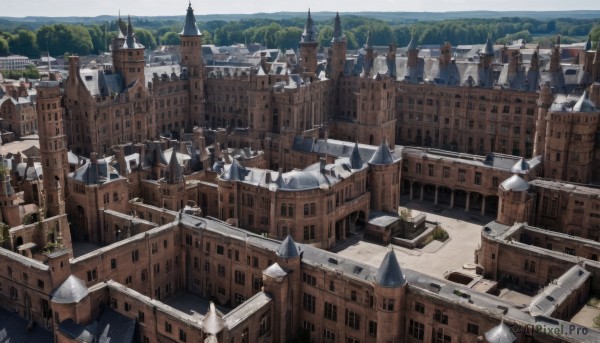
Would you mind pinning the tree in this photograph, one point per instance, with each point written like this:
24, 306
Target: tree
3, 47
24, 43
289, 37
145, 38
98, 38
31, 72
170, 38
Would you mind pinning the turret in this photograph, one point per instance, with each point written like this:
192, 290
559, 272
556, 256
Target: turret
308, 49
515, 201
339, 49
53, 146
390, 295
555, 57
369, 56
486, 57
128, 59
413, 52
193, 65
9, 211
544, 102
385, 180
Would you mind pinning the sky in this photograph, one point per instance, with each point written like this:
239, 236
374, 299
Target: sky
60, 8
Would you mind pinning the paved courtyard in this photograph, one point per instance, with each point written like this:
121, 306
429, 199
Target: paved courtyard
436, 258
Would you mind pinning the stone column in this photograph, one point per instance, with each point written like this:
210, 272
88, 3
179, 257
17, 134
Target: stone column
483, 206
436, 195
411, 190
421, 194
467, 202
452, 198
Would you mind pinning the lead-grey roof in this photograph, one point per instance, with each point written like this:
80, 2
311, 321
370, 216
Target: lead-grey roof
288, 248
546, 302
389, 273
95, 172
489, 48
101, 83
355, 159
190, 28
521, 167
310, 31
338, 35
584, 104
382, 155
412, 45
235, 172
275, 271
500, 334
515, 183
174, 172
71, 291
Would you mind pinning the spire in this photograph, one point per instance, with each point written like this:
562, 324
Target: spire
588, 43
310, 31
189, 27
119, 25
389, 273
368, 41
338, 36
489, 48
355, 160
413, 43
130, 34
174, 173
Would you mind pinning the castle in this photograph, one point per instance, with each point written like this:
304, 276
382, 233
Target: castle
234, 221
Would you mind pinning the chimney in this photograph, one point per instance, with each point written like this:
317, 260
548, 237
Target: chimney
322, 163
268, 177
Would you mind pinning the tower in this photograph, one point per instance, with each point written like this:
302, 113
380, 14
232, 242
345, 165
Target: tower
191, 61
390, 294
544, 102
487, 55
555, 57
385, 180
173, 189
413, 53
369, 56
339, 49
53, 146
128, 57
516, 201
308, 49
9, 205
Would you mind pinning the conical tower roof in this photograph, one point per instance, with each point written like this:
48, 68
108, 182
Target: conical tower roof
235, 172
500, 334
213, 323
338, 35
489, 47
382, 155
174, 172
588, 44
71, 291
288, 248
355, 159
389, 273
190, 28
412, 45
310, 30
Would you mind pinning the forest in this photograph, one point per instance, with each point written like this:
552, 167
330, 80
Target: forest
284, 33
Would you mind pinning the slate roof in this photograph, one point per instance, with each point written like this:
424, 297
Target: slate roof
546, 302
71, 291
189, 27
174, 172
521, 167
515, 183
389, 273
100, 83
310, 33
111, 327
288, 248
355, 159
95, 172
382, 155
14, 329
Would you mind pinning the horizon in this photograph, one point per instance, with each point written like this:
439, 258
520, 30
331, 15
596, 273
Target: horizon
156, 8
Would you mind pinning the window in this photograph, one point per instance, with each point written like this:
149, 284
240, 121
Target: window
440, 337
388, 304
265, 324
141, 316
330, 311
473, 329
113, 263
92, 275
221, 270
113, 303
419, 307
127, 307
438, 316
332, 286
416, 329
329, 336
569, 251
309, 279
308, 326
308, 303
135, 256
40, 284
144, 274
128, 280
165, 243
220, 250
462, 175
240, 278
372, 328
309, 233
477, 178
352, 319
182, 335
353, 295
157, 269
188, 240
168, 327
446, 172
239, 298
154, 248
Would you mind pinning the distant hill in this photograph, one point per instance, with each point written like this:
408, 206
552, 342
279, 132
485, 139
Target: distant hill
397, 17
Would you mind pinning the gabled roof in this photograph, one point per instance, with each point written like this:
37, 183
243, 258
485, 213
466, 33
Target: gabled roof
382, 155
189, 27
389, 273
71, 291
288, 248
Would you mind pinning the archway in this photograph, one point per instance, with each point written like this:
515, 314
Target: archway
444, 195
429, 193
460, 198
491, 205
475, 201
